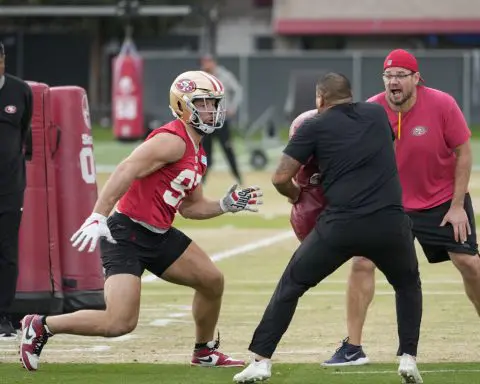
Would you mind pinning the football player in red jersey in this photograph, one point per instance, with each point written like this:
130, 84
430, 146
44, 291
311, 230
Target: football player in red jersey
311, 201
162, 176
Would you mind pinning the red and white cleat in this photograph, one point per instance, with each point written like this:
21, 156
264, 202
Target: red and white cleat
34, 338
209, 356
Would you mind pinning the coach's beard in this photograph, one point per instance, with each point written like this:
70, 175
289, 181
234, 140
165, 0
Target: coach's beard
406, 97
2, 81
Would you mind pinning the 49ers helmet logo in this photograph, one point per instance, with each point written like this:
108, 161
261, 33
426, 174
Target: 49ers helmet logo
186, 86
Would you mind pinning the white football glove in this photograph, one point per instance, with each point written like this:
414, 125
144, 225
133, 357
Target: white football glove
91, 230
241, 199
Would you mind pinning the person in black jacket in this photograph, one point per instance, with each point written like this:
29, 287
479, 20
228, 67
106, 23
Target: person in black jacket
234, 96
353, 145
16, 106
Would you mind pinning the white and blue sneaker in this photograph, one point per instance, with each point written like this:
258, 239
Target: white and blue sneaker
347, 354
7, 332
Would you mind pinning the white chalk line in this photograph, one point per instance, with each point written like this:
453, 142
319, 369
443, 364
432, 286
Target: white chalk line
310, 293
395, 372
239, 250
93, 349
341, 282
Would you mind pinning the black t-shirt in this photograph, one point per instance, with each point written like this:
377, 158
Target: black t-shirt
353, 146
16, 106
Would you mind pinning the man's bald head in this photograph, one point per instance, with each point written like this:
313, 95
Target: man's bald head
332, 89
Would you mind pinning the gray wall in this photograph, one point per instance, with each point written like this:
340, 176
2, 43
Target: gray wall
268, 79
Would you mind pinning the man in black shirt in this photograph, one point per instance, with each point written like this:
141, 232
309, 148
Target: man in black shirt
352, 144
16, 104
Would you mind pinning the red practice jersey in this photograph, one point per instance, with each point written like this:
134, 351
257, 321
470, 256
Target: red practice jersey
311, 202
155, 199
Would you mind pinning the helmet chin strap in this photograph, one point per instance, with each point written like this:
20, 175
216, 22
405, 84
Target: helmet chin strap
195, 125
200, 132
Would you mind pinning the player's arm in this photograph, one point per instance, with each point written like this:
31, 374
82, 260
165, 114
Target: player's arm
196, 206
457, 135
463, 168
282, 179
297, 152
147, 158
457, 215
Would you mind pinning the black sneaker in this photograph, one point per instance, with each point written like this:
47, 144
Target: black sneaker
7, 332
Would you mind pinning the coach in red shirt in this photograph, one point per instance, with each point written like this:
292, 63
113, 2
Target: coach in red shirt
434, 161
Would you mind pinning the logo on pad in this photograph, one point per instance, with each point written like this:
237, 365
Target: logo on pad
10, 109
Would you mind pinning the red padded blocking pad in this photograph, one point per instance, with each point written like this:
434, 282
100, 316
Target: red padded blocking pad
127, 94
82, 273
39, 282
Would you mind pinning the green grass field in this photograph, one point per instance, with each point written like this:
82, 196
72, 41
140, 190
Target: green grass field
284, 374
252, 251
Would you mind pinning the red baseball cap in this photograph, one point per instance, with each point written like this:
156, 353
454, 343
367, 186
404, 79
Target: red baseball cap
402, 59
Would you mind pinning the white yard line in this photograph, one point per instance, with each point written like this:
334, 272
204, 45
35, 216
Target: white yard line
93, 349
309, 293
339, 281
395, 372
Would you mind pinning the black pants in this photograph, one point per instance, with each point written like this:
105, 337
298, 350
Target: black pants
383, 237
9, 230
223, 136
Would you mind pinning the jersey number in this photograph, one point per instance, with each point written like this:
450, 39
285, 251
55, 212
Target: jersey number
87, 165
185, 180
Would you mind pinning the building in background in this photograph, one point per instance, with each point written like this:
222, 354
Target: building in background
272, 41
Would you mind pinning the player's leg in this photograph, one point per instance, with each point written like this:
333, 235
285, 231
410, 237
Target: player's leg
394, 254
225, 139
196, 270
122, 297
9, 231
466, 259
183, 262
439, 245
360, 291
469, 267
314, 260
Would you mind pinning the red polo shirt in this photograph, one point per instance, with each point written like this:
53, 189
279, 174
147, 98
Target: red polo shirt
427, 136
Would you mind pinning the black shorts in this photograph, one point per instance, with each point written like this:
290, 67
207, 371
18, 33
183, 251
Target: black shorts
437, 241
138, 248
